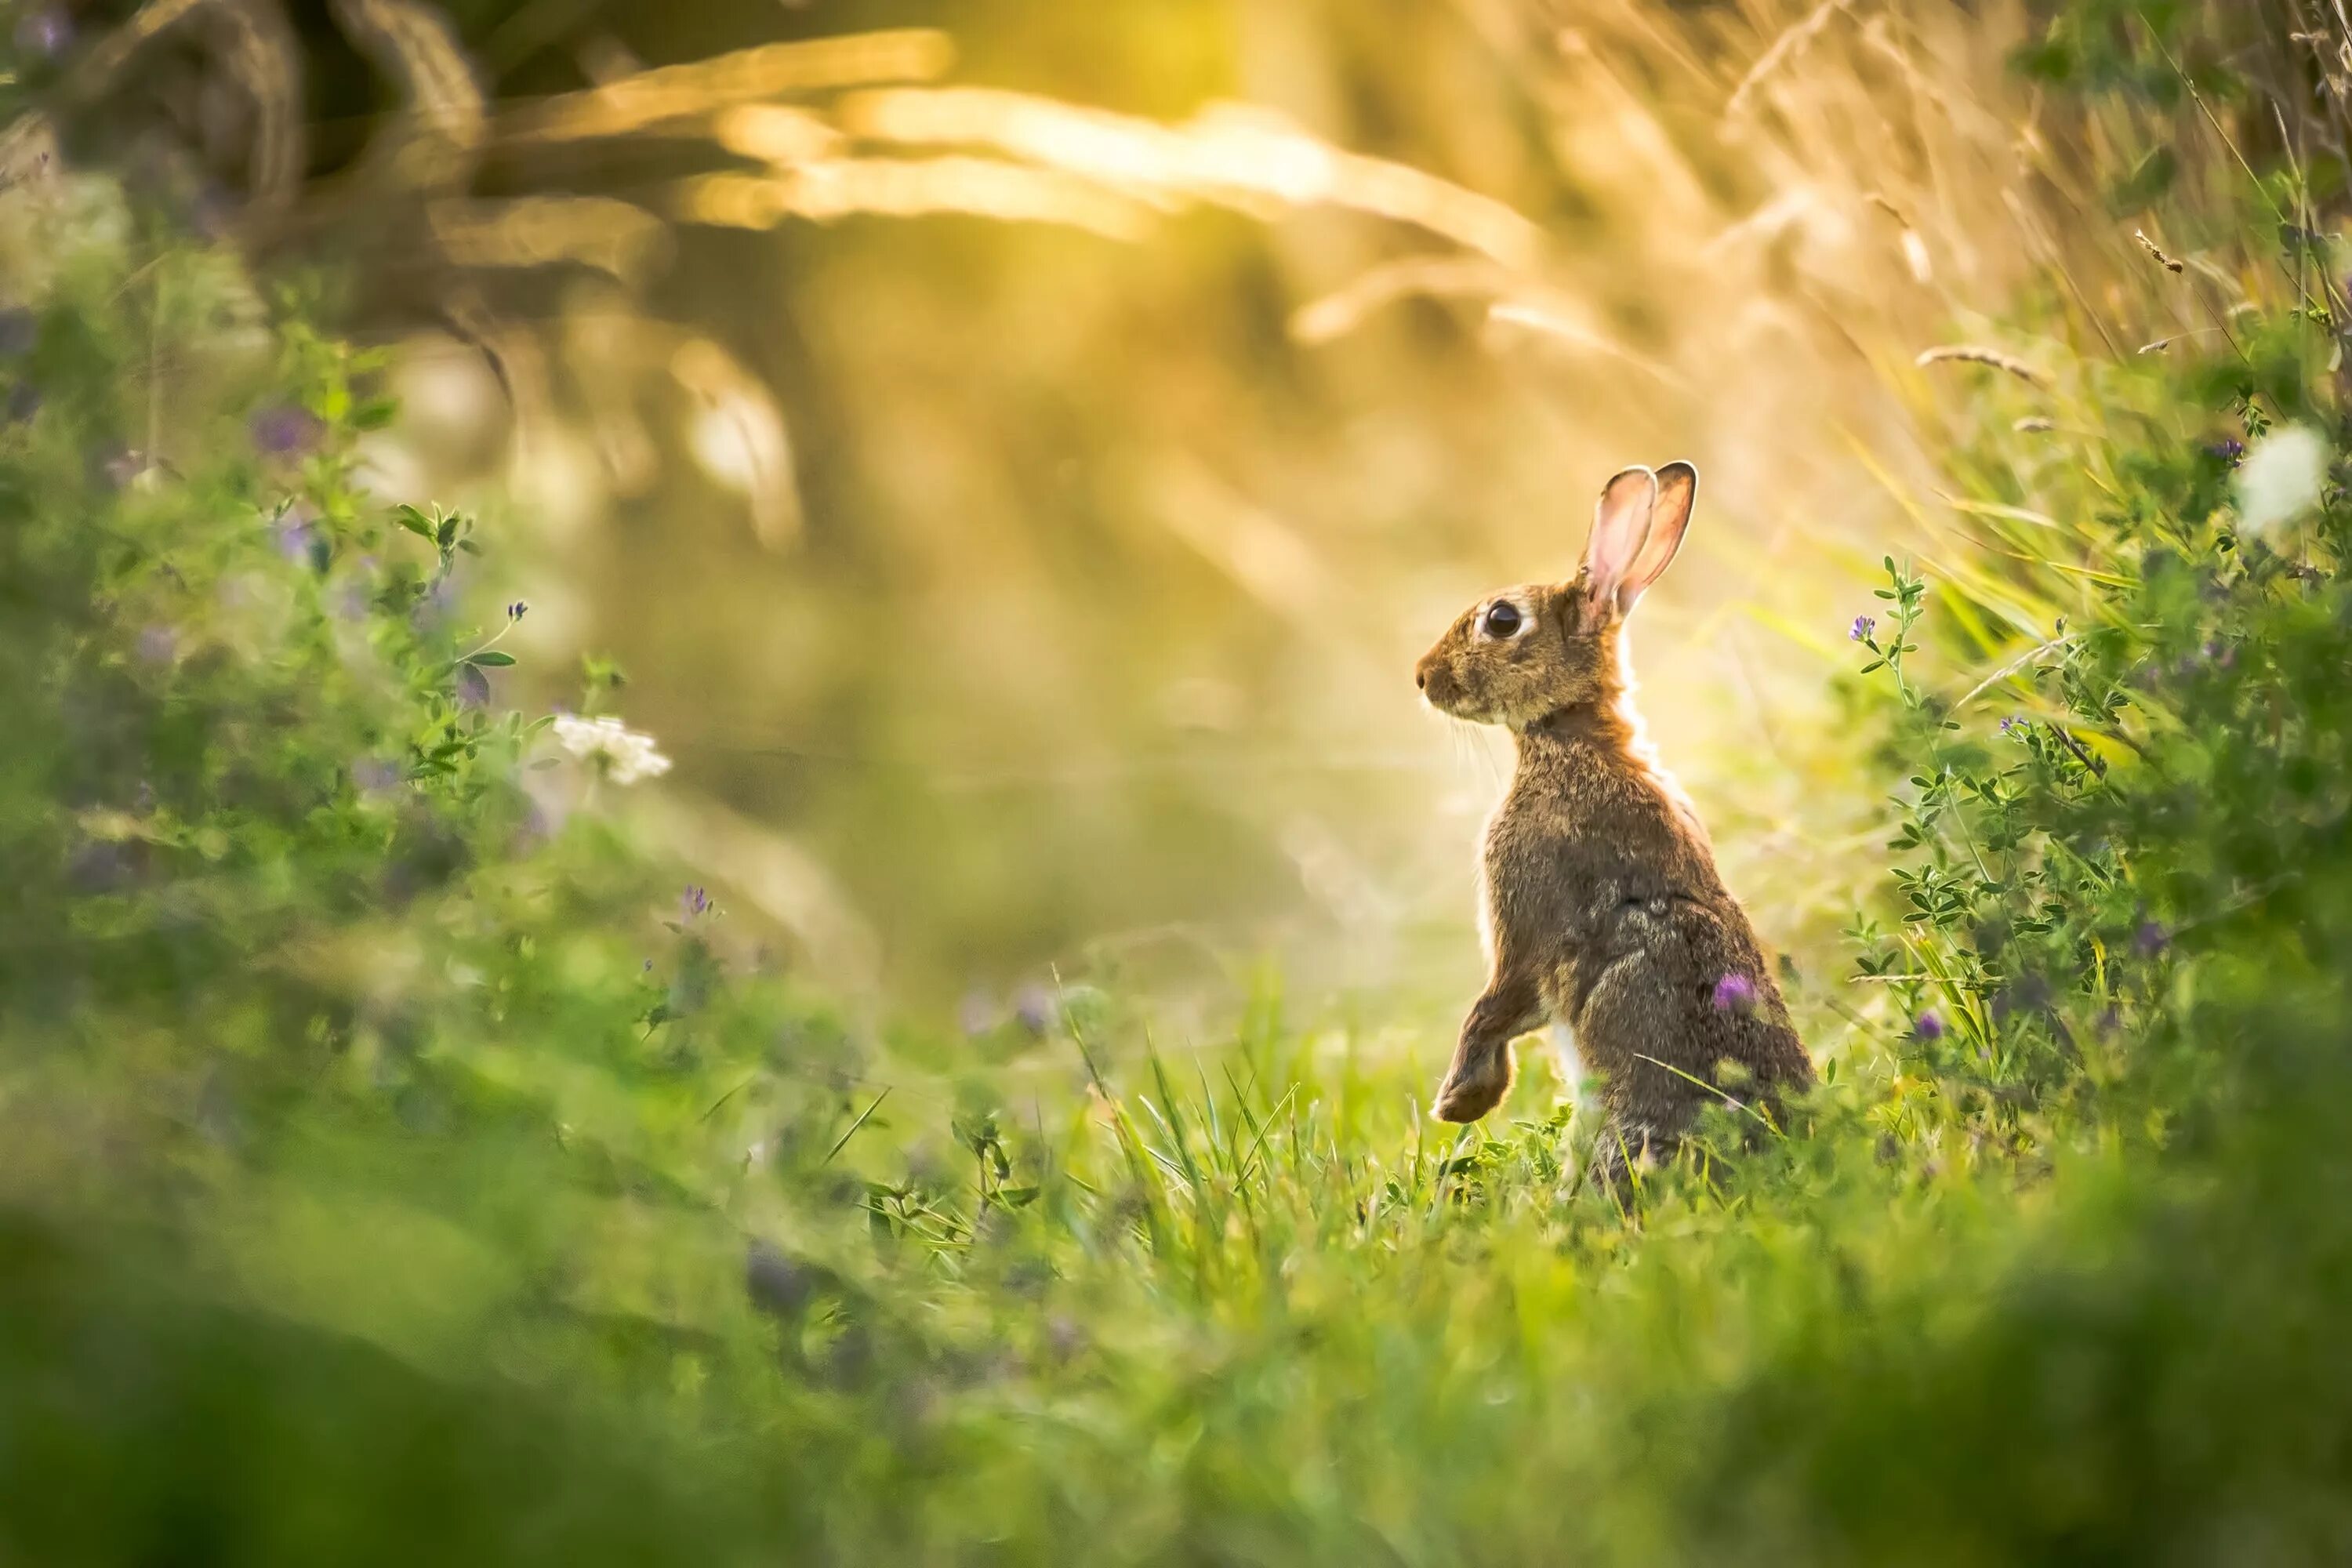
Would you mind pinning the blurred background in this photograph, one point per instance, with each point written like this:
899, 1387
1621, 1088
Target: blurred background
1016, 450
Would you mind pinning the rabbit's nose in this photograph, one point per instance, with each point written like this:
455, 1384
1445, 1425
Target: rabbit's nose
1421, 679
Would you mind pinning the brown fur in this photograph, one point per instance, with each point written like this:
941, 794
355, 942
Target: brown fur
1603, 908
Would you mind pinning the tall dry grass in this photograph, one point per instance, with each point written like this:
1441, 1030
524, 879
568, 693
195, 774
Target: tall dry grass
1017, 510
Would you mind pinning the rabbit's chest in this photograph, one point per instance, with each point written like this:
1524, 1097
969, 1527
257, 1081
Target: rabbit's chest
1540, 885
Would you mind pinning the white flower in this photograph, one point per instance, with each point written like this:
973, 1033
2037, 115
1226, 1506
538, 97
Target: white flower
2281, 478
619, 752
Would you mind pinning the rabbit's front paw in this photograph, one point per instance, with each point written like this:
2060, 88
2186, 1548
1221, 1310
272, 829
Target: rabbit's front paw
1474, 1088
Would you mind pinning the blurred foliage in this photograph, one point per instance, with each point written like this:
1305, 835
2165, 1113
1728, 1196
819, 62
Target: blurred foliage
1016, 451
406, 1162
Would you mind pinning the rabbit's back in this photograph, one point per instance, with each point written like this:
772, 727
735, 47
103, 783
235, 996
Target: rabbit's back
1599, 872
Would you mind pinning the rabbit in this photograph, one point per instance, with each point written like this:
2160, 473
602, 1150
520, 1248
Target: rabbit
1602, 914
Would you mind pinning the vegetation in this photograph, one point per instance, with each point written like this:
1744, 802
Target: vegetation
406, 1165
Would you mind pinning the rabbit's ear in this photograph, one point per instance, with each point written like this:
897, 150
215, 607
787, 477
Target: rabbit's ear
1669, 520
1621, 522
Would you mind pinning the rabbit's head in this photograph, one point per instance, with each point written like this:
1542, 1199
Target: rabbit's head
1527, 652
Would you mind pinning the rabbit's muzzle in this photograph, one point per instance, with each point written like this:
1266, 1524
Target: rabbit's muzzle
1439, 685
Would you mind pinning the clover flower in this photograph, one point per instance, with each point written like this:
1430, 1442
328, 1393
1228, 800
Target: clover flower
619, 752
286, 431
1864, 627
2281, 478
1734, 992
1929, 1025
298, 538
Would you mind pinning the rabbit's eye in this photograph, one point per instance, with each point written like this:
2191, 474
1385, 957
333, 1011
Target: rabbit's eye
1502, 619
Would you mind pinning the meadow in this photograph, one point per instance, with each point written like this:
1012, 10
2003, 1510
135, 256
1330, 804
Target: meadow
458, 1110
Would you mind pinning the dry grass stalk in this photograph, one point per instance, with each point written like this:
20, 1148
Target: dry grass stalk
1247, 158
2166, 262
775, 134
840, 187
1337, 314
1914, 247
437, 138
1974, 353
746, 75
97, 70
611, 236
1785, 48
265, 59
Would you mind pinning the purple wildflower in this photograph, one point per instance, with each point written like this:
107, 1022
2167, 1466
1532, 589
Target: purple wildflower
775, 1283
2151, 937
298, 540
286, 431
694, 901
45, 33
2029, 994
1928, 1025
2231, 452
434, 604
1734, 992
2009, 724
516, 611
1033, 1010
373, 775
1864, 629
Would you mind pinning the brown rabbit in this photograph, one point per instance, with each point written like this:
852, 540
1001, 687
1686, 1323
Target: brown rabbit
1603, 911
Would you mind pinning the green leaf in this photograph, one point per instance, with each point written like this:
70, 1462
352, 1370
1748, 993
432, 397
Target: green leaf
492, 658
2149, 179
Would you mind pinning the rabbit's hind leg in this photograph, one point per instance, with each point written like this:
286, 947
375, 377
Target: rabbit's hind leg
1624, 1152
